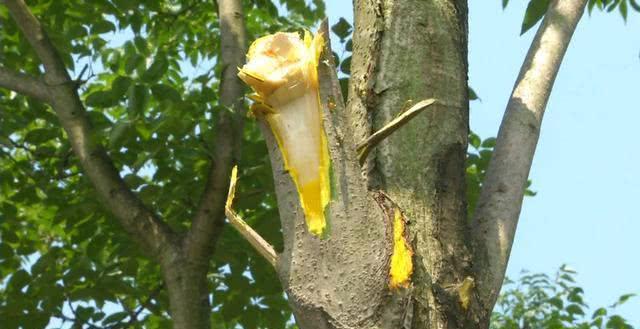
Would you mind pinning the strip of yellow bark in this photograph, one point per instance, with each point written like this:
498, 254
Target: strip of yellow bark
402, 256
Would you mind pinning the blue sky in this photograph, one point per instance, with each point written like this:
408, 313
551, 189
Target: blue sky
586, 166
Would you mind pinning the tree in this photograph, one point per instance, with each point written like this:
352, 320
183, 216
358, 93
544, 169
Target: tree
128, 163
536, 300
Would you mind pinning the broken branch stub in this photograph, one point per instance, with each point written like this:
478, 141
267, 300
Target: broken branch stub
282, 70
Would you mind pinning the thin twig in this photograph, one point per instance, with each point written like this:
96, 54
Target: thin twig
365, 147
261, 245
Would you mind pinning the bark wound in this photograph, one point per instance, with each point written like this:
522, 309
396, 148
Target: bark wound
399, 250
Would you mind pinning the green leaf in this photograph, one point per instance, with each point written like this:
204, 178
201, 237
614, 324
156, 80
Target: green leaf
574, 309
535, 11
342, 29
40, 135
557, 302
19, 279
489, 142
345, 66
590, 6
623, 299
141, 45
6, 251
115, 318
472, 94
102, 27
617, 322
474, 140
599, 312
505, 3
120, 86
164, 92
101, 99
138, 99
132, 62
157, 69
623, 9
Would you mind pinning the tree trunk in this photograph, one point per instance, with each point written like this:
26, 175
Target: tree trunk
423, 54
186, 283
404, 52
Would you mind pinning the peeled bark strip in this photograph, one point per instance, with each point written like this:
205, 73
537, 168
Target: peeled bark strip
496, 216
256, 241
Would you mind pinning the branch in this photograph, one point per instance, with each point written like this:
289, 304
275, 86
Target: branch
365, 147
141, 223
209, 219
262, 247
496, 215
24, 84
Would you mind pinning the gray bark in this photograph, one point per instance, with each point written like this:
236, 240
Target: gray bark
339, 281
498, 209
24, 84
187, 286
185, 259
209, 219
404, 52
185, 271
423, 54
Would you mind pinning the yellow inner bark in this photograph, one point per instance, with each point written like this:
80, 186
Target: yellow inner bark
282, 70
402, 256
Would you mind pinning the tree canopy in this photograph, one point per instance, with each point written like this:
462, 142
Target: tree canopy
148, 72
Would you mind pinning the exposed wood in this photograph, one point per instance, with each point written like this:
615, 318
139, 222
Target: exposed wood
256, 241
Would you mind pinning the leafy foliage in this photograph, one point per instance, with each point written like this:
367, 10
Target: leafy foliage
151, 71
539, 301
536, 9
152, 74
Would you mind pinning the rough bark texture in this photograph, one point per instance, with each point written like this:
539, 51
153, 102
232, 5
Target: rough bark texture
187, 285
185, 270
405, 51
184, 259
209, 220
423, 54
339, 281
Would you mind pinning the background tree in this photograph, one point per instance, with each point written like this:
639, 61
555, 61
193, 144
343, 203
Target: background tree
144, 108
